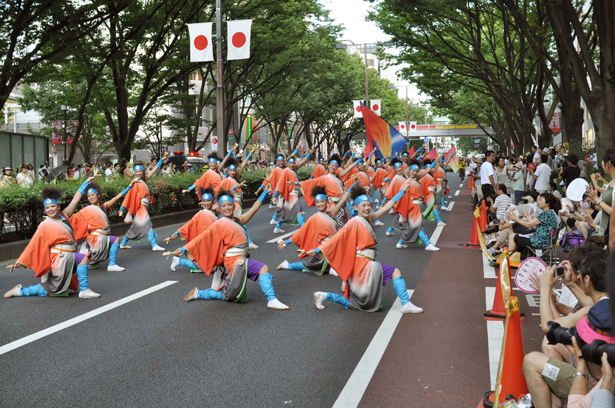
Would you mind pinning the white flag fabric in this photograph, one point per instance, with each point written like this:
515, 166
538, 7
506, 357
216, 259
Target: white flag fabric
376, 106
412, 126
238, 39
201, 47
402, 128
357, 109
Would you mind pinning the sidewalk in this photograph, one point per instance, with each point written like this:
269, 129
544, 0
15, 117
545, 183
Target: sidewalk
442, 356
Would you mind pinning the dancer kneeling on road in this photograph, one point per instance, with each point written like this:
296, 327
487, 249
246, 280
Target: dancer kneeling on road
226, 240
92, 223
352, 252
51, 252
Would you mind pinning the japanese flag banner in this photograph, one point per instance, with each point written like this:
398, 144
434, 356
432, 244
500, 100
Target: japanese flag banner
412, 126
238, 39
402, 128
357, 109
201, 47
376, 106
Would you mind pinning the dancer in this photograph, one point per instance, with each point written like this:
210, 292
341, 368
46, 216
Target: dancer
287, 191
398, 179
272, 179
320, 169
136, 205
193, 228
92, 223
429, 186
211, 178
225, 243
51, 252
352, 252
317, 229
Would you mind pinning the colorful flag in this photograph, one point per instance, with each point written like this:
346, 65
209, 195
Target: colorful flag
381, 134
201, 47
238, 39
411, 151
454, 162
433, 154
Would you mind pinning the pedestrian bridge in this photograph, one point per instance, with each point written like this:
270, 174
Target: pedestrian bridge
440, 131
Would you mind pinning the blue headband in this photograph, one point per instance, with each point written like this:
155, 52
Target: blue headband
48, 201
93, 191
414, 167
218, 161
378, 161
334, 161
360, 199
396, 165
139, 167
224, 198
359, 161
291, 160
213, 159
207, 196
321, 197
404, 154
322, 158
279, 158
232, 167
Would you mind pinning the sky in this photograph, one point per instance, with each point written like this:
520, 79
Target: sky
351, 14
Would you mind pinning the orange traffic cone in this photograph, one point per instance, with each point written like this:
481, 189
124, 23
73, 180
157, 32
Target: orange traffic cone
474, 242
511, 381
471, 185
498, 312
483, 217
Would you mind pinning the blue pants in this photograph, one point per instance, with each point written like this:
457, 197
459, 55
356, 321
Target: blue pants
36, 290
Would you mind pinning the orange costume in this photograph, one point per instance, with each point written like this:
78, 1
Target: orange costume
287, 191
334, 189
92, 224
316, 230
320, 170
197, 225
209, 179
136, 202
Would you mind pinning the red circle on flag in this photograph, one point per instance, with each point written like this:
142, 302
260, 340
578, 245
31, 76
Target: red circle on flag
412, 126
358, 108
403, 126
239, 39
214, 140
200, 42
375, 107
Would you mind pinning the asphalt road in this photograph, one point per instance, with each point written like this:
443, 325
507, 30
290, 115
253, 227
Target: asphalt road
158, 351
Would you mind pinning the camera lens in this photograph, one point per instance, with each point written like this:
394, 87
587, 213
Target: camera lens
593, 352
558, 334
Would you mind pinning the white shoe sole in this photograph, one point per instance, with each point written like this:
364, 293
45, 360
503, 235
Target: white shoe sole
115, 268
191, 295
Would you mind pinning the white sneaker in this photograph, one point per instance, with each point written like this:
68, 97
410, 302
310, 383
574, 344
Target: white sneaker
88, 294
283, 265
278, 230
157, 248
399, 246
319, 297
115, 268
271, 206
332, 272
391, 212
276, 304
15, 292
252, 245
431, 247
379, 223
273, 222
174, 263
442, 223
410, 308
389, 234
125, 247
191, 295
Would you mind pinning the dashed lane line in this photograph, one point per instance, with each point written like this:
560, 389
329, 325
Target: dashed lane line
276, 239
457, 193
495, 337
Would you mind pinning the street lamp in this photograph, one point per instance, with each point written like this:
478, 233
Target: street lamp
372, 47
64, 109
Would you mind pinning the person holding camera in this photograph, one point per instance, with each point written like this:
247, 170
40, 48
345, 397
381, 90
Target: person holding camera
546, 375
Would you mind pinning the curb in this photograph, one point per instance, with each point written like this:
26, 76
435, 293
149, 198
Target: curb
12, 250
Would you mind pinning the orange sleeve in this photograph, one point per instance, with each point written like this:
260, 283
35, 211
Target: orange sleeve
36, 256
132, 201
207, 249
80, 225
340, 250
306, 237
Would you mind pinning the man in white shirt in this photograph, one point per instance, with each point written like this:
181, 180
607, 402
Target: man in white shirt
486, 175
501, 203
109, 171
537, 153
542, 175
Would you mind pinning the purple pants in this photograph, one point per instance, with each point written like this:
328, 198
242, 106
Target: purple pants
387, 272
254, 267
78, 258
112, 239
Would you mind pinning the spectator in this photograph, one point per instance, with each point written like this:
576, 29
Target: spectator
553, 190
571, 171
501, 173
24, 178
518, 182
487, 180
128, 174
109, 172
7, 180
31, 171
117, 170
501, 203
546, 375
542, 175
534, 155
605, 201
544, 223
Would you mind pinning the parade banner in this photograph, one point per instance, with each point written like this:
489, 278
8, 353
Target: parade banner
380, 133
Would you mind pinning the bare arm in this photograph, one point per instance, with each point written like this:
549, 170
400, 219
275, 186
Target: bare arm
110, 203
243, 164
345, 171
302, 161
155, 168
70, 208
385, 209
221, 166
247, 216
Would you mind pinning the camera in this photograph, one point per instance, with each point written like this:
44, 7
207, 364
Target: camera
561, 335
560, 271
593, 352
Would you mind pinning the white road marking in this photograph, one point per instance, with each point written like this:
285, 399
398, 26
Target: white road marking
461, 185
76, 320
273, 241
436, 235
457, 193
488, 270
495, 336
361, 376
450, 206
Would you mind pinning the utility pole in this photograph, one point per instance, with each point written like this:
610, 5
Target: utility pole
365, 59
219, 88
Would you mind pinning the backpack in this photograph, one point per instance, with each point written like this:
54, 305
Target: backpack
570, 240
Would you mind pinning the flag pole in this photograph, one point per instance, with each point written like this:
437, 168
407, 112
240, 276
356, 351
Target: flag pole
219, 88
